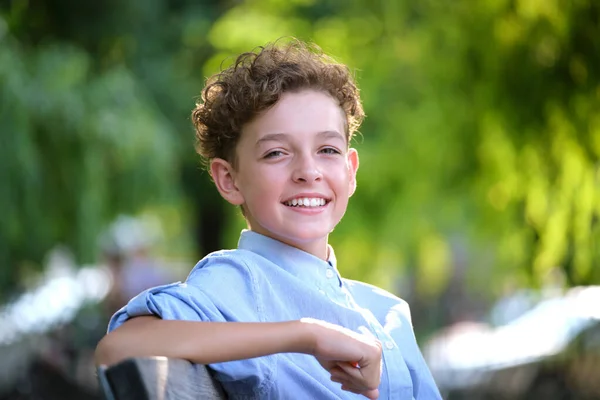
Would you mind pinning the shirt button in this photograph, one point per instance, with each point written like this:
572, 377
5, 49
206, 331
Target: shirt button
329, 273
322, 292
389, 344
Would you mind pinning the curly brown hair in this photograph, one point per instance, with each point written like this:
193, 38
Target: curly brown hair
256, 81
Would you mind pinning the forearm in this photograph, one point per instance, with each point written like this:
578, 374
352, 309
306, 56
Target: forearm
203, 342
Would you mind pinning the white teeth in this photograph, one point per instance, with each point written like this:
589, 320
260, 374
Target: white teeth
306, 202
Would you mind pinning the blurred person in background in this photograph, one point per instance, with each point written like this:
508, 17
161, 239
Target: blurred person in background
126, 250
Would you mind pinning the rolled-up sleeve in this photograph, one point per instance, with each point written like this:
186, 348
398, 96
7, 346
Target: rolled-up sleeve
175, 301
217, 290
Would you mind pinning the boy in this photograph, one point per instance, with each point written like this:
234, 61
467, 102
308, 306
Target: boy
273, 318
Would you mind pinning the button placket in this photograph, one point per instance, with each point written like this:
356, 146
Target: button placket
384, 337
399, 383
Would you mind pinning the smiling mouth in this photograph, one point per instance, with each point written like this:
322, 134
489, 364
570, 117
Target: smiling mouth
306, 202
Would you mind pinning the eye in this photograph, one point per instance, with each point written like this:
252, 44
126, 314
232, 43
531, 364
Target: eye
330, 150
274, 154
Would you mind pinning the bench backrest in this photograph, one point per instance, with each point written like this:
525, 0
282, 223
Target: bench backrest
158, 378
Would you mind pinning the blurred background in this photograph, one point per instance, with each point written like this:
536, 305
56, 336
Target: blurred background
478, 196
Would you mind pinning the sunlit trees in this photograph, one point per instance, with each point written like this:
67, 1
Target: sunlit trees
77, 148
481, 141
479, 152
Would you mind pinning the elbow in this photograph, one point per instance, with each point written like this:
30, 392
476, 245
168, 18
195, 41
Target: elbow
123, 342
107, 351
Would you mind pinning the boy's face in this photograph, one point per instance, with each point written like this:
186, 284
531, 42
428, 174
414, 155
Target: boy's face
294, 171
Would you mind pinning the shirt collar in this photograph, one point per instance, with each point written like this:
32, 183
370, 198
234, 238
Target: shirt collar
297, 262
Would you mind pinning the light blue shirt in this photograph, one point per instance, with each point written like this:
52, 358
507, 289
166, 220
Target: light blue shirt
265, 280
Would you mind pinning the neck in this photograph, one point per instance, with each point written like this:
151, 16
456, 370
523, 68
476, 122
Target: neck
317, 248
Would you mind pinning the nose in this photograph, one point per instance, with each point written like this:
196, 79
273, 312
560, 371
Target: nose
306, 170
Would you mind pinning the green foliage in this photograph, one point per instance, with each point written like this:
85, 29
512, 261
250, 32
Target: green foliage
480, 150
78, 147
481, 135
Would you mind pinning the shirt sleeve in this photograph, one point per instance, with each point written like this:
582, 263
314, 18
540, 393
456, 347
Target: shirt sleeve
425, 387
219, 289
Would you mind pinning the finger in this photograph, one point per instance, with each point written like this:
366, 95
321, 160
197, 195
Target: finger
339, 374
356, 373
345, 379
350, 386
361, 378
336, 370
369, 375
352, 389
371, 394
348, 383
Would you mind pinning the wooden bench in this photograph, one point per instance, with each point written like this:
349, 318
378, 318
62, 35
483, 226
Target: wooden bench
158, 378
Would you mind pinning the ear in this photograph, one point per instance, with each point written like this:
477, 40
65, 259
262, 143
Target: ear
352, 169
224, 176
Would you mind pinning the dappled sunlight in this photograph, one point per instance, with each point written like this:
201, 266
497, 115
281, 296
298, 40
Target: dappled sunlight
53, 303
479, 175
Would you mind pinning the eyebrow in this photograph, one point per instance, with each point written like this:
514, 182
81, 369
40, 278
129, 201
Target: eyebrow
282, 137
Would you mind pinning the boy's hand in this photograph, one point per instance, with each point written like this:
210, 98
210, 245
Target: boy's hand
352, 359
